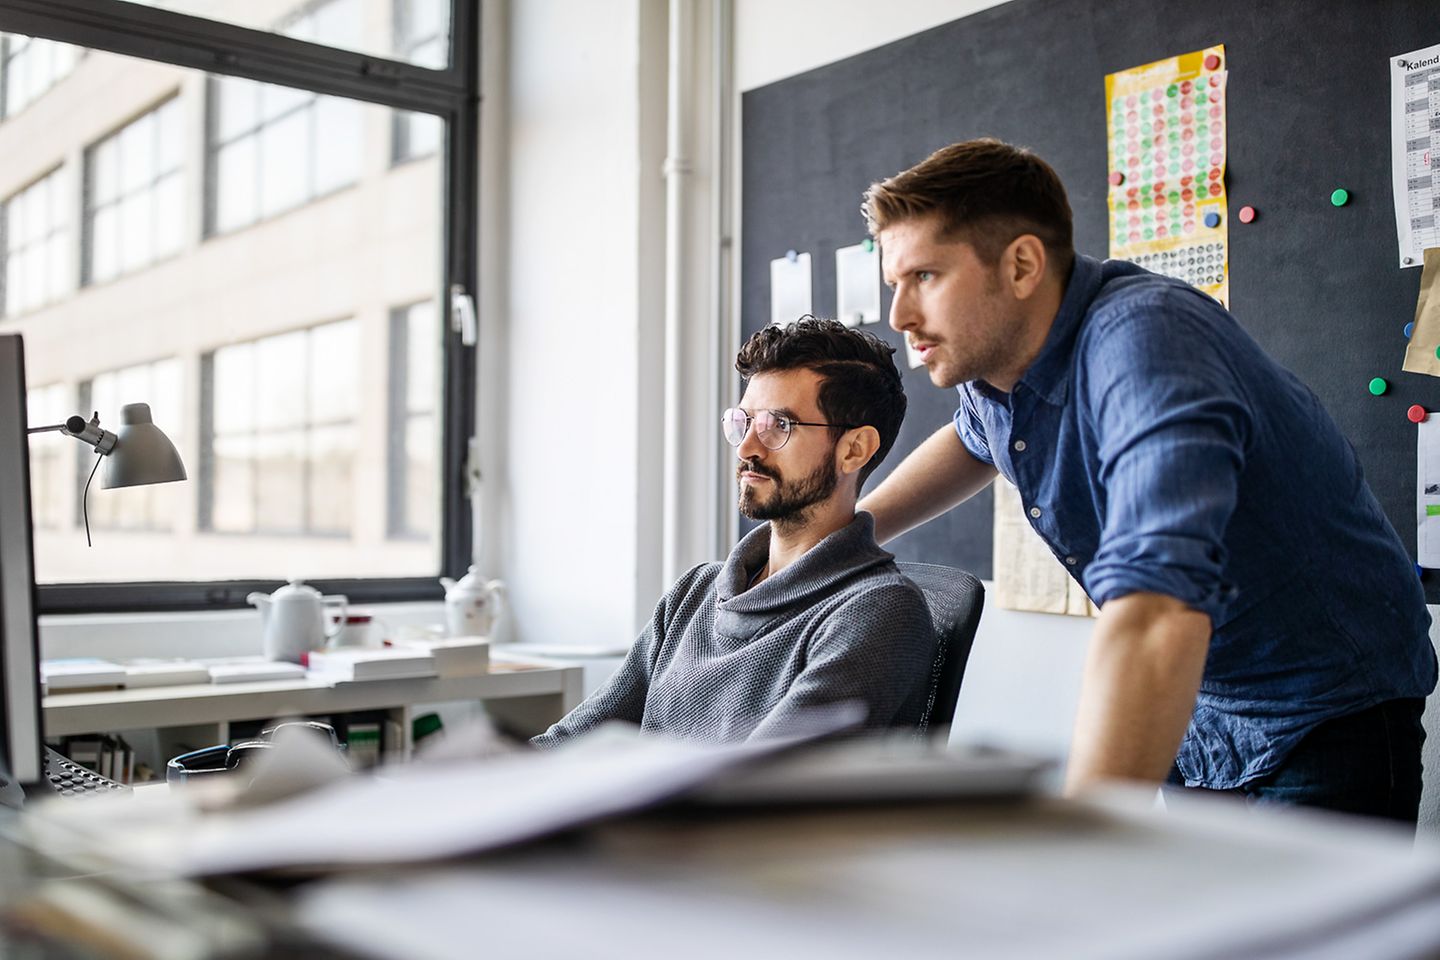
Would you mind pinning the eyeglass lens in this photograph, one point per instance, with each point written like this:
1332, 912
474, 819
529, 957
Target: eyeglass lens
770, 430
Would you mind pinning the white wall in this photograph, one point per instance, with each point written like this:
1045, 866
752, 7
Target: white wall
575, 532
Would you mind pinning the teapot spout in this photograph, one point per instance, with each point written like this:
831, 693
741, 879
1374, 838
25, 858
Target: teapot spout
447, 583
261, 601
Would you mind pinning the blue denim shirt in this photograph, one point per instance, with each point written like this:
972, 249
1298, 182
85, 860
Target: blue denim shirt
1158, 449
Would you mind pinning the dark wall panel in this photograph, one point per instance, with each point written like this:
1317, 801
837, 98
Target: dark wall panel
1308, 99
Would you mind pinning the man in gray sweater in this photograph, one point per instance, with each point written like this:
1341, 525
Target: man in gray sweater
807, 609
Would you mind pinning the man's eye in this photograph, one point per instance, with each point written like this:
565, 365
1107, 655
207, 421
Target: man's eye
923, 275
783, 424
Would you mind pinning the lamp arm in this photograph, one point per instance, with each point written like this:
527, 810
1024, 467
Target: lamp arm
90, 433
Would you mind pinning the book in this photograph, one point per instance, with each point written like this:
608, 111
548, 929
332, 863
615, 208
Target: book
154, 672
369, 663
81, 673
248, 669
454, 656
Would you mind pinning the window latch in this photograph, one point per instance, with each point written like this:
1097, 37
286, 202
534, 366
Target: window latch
462, 315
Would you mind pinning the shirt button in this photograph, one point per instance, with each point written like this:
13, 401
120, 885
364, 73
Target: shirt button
1035, 512
1071, 560
1019, 446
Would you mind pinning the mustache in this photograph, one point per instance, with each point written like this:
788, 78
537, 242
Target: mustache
754, 466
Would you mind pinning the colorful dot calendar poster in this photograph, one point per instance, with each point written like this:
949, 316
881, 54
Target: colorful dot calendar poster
1166, 133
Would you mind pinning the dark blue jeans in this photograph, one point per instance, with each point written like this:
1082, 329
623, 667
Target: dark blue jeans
1366, 763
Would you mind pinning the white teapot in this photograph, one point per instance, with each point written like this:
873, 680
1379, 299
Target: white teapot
294, 619
472, 604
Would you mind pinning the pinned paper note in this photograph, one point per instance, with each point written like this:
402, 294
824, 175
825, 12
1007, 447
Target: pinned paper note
1414, 147
789, 288
1420, 352
1427, 492
857, 284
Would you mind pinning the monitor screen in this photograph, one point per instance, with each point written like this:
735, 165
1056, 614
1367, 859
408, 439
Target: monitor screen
20, 725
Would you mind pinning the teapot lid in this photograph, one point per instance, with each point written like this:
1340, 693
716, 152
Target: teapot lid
296, 586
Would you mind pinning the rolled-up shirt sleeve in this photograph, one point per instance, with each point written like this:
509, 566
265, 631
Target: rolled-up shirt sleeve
1173, 424
971, 429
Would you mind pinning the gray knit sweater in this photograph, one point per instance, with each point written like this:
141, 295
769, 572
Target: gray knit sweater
719, 662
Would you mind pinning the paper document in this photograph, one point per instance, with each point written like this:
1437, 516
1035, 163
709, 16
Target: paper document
1427, 494
1027, 575
857, 284
1420, 352
790, 297
1414, 143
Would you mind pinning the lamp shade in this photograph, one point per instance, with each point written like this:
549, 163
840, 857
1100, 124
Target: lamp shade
142, 454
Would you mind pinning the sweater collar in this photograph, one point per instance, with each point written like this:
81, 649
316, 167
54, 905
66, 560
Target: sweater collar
741, 613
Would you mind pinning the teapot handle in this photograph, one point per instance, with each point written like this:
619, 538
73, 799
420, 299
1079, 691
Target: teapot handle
334, 600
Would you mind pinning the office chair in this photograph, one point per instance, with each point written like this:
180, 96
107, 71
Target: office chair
955, 599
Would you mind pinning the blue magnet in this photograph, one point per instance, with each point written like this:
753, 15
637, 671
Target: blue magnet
1409, 329
1212, 219
1419, 570
791, 255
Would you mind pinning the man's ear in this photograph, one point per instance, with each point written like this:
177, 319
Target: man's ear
856, 448
1022, 265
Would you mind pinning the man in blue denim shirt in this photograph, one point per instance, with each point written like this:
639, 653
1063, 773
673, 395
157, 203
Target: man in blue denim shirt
1262, 629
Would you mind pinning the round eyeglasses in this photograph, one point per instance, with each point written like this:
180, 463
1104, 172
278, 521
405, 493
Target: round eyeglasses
771, 429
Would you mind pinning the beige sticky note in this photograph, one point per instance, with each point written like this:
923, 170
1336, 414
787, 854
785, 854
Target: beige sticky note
1425, 338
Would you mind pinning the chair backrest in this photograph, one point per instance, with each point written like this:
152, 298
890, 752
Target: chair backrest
956, 600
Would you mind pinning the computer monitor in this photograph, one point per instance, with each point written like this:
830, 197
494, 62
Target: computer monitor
21, 732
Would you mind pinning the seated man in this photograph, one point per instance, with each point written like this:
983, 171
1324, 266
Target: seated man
807, 609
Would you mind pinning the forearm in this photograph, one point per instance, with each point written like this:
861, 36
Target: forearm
938, 475
1141, 677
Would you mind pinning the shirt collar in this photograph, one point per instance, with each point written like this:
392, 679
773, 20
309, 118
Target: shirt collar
1049, 374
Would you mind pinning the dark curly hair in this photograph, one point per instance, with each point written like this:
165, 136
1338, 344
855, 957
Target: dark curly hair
860, 383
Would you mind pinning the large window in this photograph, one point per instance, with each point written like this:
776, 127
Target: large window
422, 36
37, 245
283, 433
243, 254
133, 201
29, 67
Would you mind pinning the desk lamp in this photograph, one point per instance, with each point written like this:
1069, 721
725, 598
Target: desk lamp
139, 454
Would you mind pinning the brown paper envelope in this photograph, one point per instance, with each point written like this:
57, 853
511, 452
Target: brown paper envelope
1425, 338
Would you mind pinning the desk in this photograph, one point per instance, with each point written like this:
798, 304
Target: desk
525, 696
1045, 878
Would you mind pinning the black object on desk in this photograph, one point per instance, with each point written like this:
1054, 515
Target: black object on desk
70, 779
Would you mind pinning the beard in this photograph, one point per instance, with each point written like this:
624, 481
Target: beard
790, 502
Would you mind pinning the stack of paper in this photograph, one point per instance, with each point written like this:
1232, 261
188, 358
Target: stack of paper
454, 656
246, 669
164, 673
370, 663
81, 673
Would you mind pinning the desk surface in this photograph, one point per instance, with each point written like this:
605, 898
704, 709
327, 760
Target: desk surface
73, 713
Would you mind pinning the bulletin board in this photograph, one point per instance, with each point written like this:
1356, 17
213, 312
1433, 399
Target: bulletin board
1308, 112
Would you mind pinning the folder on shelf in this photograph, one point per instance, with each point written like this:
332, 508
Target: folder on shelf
152, 672
81, 673
248, 669
454, 656
370, 663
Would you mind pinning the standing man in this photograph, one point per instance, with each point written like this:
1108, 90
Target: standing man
1262, 629
807, 610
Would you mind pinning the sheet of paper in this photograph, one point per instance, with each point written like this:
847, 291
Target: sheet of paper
1414, 144
441, 811
1165, 125
790, 297
1427, 494
857, 284
1420, 352
1027, 575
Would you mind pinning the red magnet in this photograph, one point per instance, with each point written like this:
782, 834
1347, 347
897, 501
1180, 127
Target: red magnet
1417, 414
1212, 62
1247, 214
1116, 178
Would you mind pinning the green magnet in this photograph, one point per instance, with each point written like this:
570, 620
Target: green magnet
1378, 386
868, 244
1340, 197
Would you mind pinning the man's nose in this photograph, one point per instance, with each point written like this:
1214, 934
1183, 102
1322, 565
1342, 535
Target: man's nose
750, 447
902, 312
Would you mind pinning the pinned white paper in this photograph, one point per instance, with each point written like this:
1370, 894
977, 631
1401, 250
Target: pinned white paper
857, 284
1427, 493
789, 288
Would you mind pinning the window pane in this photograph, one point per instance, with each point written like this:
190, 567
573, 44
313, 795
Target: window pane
35, 232
30, 67
50, 455
262, 340
339, 23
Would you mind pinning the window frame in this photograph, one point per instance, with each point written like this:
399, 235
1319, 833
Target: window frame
452, 94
